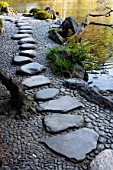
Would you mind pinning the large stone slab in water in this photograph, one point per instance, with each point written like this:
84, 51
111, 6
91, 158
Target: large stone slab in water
28, 53
27, 46
27, 40
63, 104
56, 123
46, 94
25, 28
36, 81
21, 60
20, 36
25, 32
74, 145
32, 68
103, 161
22, 24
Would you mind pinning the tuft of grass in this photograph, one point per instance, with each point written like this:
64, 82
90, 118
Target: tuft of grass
43, 15
3, 5
34, 11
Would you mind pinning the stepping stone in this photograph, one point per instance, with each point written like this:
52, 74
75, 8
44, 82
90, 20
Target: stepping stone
29, 53
27, 46
31, 68
74, 145
56, 123
46, 94
25, 32
63, 104
27, 40
21, 60
22, 24
20, 36
25, 28
36, 81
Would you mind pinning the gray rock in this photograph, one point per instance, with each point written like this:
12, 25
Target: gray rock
32, 68
27, 40
27, 46
74, 145
28, 53
22, 24
103, 161
56, 123
25, 32
19, 36
74, 82
21, 60
25, 28
36, 81
46, 94
63, 104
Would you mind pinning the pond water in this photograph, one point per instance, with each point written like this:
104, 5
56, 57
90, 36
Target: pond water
95, 34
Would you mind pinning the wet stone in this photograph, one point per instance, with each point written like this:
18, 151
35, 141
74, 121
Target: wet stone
75, 144
22, 24
25, 32
27, 40
31, 68
102, 140
56, 123
89, 125
27, 46
63, 104
29, 53
25, 28
20, 36
21, 60
46, 94
35, 81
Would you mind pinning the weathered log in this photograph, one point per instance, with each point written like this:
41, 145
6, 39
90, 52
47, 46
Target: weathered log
18, 100
90, 93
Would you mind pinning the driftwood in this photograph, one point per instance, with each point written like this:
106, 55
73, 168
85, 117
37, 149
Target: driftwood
90, 93
17, 101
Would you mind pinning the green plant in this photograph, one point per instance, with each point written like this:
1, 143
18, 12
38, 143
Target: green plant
43, 15
64, 59
34, 10
1, 23
3, 5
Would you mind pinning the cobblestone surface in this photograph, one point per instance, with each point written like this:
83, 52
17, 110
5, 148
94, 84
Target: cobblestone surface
20, 140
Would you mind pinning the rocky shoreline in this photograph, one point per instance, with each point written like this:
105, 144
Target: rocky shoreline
21, 143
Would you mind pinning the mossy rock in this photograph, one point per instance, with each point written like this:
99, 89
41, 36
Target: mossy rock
34, 10
3, 5
43, 15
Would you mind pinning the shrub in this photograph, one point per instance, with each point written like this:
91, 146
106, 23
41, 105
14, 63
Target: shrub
3, 5
43, 15
64, 59
34, 10
1, 23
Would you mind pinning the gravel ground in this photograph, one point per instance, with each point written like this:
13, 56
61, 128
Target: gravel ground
20, 146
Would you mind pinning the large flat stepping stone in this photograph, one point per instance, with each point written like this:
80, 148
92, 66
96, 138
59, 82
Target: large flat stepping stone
27, 46
25, 32
31, 68
63, 104
46, 94
20, 36
27, 40
36, 81
28, 53
74, 145
21, 60
22, 24
56, 123
25, 28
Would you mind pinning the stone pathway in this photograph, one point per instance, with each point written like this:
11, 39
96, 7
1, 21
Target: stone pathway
78, 135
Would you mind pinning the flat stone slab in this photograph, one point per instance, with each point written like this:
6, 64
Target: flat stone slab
28, 53
27, 46
56, 123
22, 24
74, 82
46, 94
36, 81
103, 161
74, 145
31, 68
20, 36
63, 104
27, 40
21, 60
25, 28
25, 32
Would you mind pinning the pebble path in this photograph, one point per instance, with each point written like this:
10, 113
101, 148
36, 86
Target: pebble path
20, 139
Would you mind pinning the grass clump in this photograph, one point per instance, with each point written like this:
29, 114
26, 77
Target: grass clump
1, 23
34, 11
3, 5
43, 15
